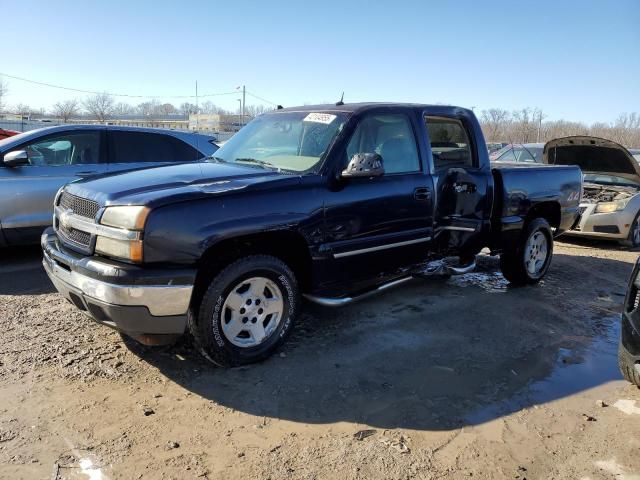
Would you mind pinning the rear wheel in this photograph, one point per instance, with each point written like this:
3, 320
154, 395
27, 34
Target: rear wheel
246, 312
528, 261
628, 367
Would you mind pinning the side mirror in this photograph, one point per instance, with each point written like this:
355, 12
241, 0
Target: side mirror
364, 165
16, 158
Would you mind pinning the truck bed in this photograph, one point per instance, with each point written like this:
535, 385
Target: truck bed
522, 189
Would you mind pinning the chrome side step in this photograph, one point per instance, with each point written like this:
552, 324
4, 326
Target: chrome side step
339, 302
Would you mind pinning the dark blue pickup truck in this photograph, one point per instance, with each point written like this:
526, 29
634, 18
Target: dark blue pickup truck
329, 202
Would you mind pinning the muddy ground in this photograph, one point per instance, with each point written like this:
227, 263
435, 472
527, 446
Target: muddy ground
440, 378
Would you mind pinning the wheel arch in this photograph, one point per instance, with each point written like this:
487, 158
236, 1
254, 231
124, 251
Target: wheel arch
548, 210
286, 245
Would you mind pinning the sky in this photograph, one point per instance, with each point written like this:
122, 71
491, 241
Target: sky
577, 60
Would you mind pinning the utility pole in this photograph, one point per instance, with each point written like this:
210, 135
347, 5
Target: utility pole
197, 107
244, 96
539, 126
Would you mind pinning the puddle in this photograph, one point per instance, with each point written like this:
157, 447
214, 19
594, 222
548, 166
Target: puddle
492, 282
575, 370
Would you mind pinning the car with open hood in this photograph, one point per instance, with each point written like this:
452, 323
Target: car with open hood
610, 205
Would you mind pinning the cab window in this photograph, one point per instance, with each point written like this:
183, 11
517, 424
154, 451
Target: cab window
390, 136
449, 141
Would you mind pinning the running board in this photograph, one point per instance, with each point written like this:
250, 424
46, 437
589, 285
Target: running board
339, 302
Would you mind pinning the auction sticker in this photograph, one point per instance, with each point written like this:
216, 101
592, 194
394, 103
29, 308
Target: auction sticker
316, 117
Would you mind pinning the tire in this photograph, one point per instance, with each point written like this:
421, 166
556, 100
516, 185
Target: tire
633, 240
230, 327
516, 263
627, 367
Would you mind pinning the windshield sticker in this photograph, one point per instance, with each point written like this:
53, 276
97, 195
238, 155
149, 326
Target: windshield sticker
315, 117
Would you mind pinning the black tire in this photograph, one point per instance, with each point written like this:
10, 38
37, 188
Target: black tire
627, 367
205, 319
631, 240
513, 262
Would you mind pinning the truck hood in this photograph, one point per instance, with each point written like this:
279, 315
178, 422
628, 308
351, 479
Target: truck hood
162, 185
592, 155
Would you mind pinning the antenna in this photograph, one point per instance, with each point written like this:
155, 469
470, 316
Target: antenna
341, 102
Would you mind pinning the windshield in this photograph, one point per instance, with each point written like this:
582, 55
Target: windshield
603, 179
294, 141
520, 153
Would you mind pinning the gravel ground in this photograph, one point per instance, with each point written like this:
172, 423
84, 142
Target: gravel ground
454, 378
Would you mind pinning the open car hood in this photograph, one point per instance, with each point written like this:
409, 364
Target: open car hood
592, 155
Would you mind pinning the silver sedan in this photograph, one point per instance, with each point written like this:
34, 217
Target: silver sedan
610, 205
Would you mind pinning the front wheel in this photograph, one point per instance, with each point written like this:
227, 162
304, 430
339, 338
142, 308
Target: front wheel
633, 240
246, 312
528, 261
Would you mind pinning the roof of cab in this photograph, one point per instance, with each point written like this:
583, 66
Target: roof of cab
360, 107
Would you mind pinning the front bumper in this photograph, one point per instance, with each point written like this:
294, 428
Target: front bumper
614, 225
148, 304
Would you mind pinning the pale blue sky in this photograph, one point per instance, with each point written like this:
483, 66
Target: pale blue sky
578, 60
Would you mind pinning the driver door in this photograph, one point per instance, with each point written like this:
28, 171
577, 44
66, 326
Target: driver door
28, 190
376, 226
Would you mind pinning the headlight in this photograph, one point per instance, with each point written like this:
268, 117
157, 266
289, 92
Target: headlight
130, 217
127, 249
609, 207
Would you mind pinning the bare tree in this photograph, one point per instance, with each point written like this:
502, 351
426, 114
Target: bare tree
167, 109
526, 125
123, 108
188, 108
255, 110
23, 110
67, 109
150, 108
100, 106
494, 122
4, 91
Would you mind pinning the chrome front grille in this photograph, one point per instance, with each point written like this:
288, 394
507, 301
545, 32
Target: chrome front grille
79, 206
76, 236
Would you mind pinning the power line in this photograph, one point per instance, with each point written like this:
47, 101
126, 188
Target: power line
260, 98
94, 92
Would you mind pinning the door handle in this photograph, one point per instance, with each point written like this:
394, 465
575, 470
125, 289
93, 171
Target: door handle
85, 174
422, 193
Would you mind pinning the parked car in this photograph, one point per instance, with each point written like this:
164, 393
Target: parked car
495, 146
610, 205
4, 133
635, 152
519, 152
629, 351
36, 164
333, 202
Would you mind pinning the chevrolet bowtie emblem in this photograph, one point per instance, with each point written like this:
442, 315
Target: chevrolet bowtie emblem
64, 217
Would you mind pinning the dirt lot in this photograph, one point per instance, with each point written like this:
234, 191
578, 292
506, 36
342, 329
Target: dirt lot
441, 378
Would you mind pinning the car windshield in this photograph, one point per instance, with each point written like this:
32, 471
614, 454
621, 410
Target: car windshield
603, 179
520, 153
290, 141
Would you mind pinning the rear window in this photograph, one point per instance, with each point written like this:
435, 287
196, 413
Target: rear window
450, 144
142, 147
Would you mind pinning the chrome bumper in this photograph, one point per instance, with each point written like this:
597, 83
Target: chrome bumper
160, 300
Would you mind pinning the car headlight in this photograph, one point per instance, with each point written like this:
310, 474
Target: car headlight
131, 217
609, 207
